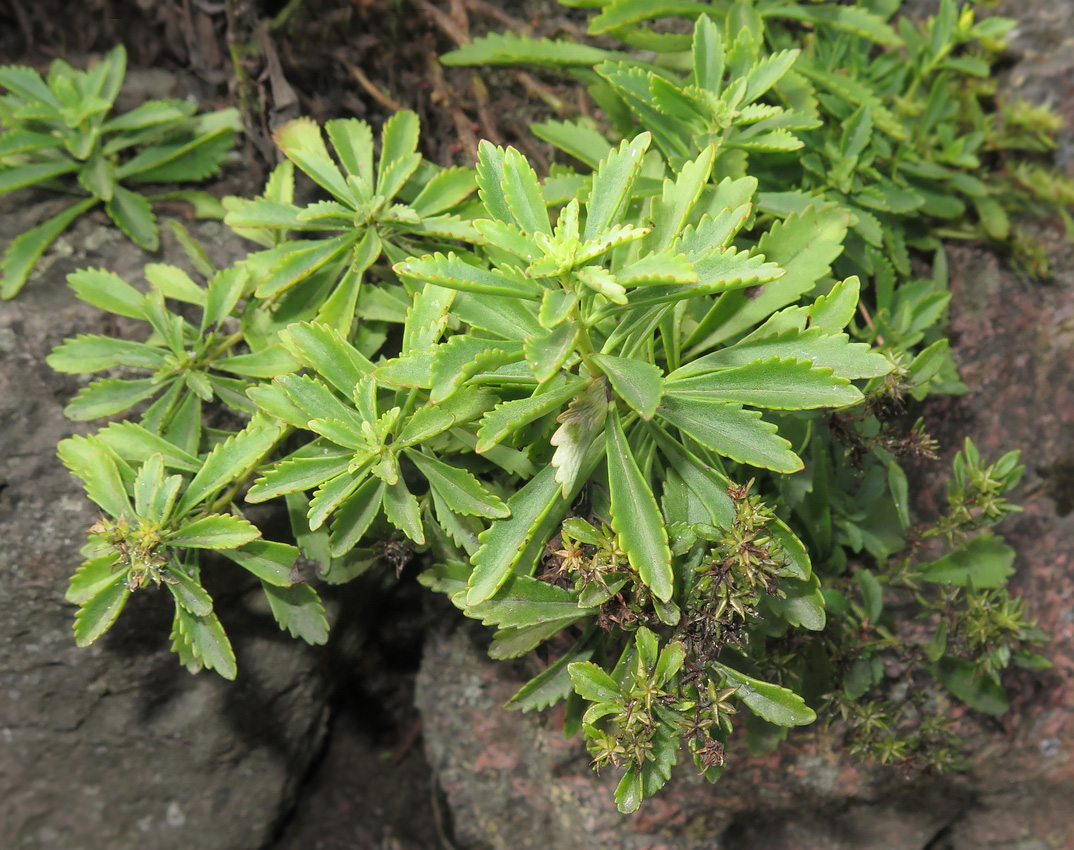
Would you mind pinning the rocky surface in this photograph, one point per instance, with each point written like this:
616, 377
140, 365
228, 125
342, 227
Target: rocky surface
117, 747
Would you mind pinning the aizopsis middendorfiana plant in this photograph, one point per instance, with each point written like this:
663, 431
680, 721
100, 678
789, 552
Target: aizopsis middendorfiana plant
587, 402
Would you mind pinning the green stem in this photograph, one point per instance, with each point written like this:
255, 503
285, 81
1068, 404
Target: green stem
585, 345
284, 16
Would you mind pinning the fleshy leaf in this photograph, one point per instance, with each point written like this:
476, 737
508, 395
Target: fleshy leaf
636, 517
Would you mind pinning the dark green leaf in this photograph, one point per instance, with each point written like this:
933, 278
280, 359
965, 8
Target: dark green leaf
134, 216
269, 561
227, 462
27, 247
215, 531
636, 517
984, 561
639, 384
207, 641
298, 609
731, 431
771, 702
979, 691
189, 593
458, 488
97, 615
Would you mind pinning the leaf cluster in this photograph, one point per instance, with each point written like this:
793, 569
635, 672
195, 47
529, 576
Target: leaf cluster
58, 133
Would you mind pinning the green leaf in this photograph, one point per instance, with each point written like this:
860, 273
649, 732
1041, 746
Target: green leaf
548, 352
639, 384
353, 143
526, 601
207, 641
900, 492
174, 283
183, 161
299, 263
134, 216
148, 484
225, 289
851, 360
636, 517
92, 577
107, 291
522, 194
399, 140
268, 560
21, 176
613, 184
266, 363
630, 791
510, 49
28, 85
505, 317
189, 593
708, 485
983, 561
624, 12
508, 417
96, 616
678, 198
453, 272
775, 383
853, 19
516, 642
593, 683
445, 190
517, 540
97, 176
833, 312
872, 594
93, 353
227, 462
109, 396
332, 493
149, 114
552, 684
426, 318
215, 531
576, 138
708, 55
731, 431
770, 702
462, 357
401, 510
27, 247
805, 244
426, 422
324, 349
316, 400
979, 691
801, 605
862, 675
356, 513
299, 610
460, 491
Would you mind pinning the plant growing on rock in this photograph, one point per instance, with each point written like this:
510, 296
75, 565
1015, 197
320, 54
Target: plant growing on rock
626, 408
56, 133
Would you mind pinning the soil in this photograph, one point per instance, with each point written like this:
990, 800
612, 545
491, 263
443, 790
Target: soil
368, 785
